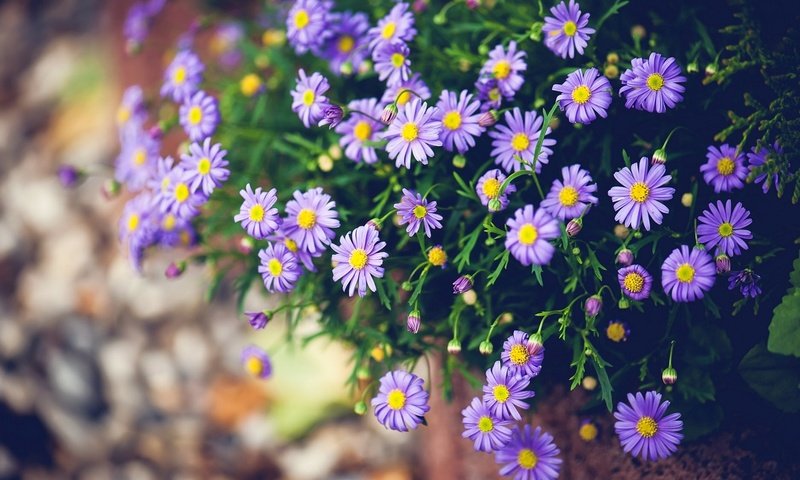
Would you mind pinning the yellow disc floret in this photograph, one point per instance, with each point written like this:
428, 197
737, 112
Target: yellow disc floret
520, 142
647, 427
491, 188
581, 94
527, 459
519, 355
528, 234
725, 166
633, 282
685, 273
396, 399
568, 196
409, 132
306, 219
437, 256
639, 192
452, 120
655, 82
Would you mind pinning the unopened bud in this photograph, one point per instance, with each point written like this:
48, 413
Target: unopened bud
625, 257
362, 373
638, 32
723, 263
389, 114
111, 188
589, 383
469, 297
686, 199
659, 157
485, 347
407, 286
257, 320
495, 205
612, 57
69, 175
459, 161
711, 69
611, 72
462, 284
174, 270
374, 223
624, 303
593, 305
413, 321
360, 408
332, 115
574, 227
621, 231
454, 347
488, 118
246, 245
669, 376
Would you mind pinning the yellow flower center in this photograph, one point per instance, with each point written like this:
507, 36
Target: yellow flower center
250, 84
123, 115
647, 427
527, 459
403, 98
301, 19
570, 28
169, 222
528, 234
639, 192
397, 60
725, 166
133, 222
491, 188
290, 244
409, 131
181, 192
139, 157
256, 213
204, 166
195, 115
568, 196
452, 120
685, 273
633, 282
519, 355
346, 43
396, 399
420, 211
308, 98
520, 142
485, 424
275, 267
655, 81
358, 259
254, 366
726, 229
306, 219
437, 256
501, 69
581, 94
388, 30
501, 393
362, 130
179, 75
615, 331
588, 432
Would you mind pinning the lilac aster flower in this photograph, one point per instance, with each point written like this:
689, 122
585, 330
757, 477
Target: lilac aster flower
257, 214
347, 46
487, 431
417, 212
529, 235
199, 116
359, 129
225, 44
136, 228
307, 25
529, 455
131, 111
137, 158
413, 132
309, 100
514, 143
174, 231
311, 219
401, 402
747, 281
280, 236
256, 362
183, 76
459, 116
724, 227
584, 96
165, 173
643, 429
489, 94
762, 156
522, 355
687, 274
414, 84
568, 31
653, 84
397, 25
179, 199
640, 196
569, 198
635, 281
358, 259
392, 63
724, 169
205, 166
505, 68
279, 268
136, 26
505, 392
488, 189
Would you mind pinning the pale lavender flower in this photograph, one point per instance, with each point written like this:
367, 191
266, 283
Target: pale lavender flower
529, 235
397, 25
529, 455
258, 214
759, 157
641, 195
279, 268
348, 45
413, 133
567, 31
311, 219
309, 100
459, 116
723, 226
568, 198
137, 158
724, 169
653, 85
199, 116
643, 428
307, 25
360, 129
584, 96
417, 212
392, 64
413, 84
401, 402
205, 166
515, 143
687, 274
487, 431
523, 355
358, 260
505, 68
488, 189
505, 392
183, 76
256, 362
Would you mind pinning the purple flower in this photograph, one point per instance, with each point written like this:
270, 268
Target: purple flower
568, 31
529, 235
309, 101
489, 94
413, 321
505, 392
529, 455
392, 63
359, 130
183, 76
523, 355
514, 143
724, 169
69, 176
256, 362
505, 68
347, 46
414, 84
488, 189
635, 281
358, 258
303, 256
617, 331
413, 132
131, 111
653, 84
724, 228
178, 199
307, 25
257, 213
332, 116
643, 429
136, 26
747, 281
257, 320
569, 198
199, 116
686, 275
137, 157
593, 306
459, 116
488, 432
279, 268
417, 212
462, 284
136, 228
311, 219
401, 402
584, 96
225, 44
397, 25
640, 196
205, 166
759, 157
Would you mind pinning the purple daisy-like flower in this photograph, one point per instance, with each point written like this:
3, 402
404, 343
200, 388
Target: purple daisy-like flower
417, 212
568, 198
360, 129
687, 274
225, 44
131, 112
183, 76
256, 362
136, 227
279, 268
584, 96
205, 166
459, 116
358, 260
635, 281
505, 68
398, 92
305, 257
488, 189
489, 94
137, 158
724, 227
617, 331
747, 281
724, 169
761, 156
397, 25
643, 429
199, 116
514, 143
640, 196
307, 25
505, 392
529, 455
487, 431
257, 214
179, 200
529, 235
347, 46
567, 31
311, 219
309, 100
653, 85
401, 402
522, 355
413, 133
136, 26
392, 63
174, 231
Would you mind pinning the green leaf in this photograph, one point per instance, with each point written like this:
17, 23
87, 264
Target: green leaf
579, 362
784, 330
695, 384
462, 259
605, 384
500, 267
774, 377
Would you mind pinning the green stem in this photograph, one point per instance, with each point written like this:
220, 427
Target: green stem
671, 347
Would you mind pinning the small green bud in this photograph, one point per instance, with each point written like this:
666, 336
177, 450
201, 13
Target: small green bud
454, 347
459, 161
669, 376
624, 303
485, 347
407, 286
360, 408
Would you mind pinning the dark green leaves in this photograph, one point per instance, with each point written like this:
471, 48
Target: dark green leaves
784, 331
774, 377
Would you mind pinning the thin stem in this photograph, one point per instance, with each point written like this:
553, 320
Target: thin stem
366, 115
671, 348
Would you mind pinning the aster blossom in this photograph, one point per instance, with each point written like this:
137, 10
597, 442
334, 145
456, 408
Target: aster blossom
347, 44
401, 92
205, 166
489, 94
311, 219
643, 428
760, 158
397, 25
308, 97
635, 281
401, 402
360, 129
567, 31
529, 235
747, 282
258, 214
487, 431
179, 199
303, 256
515, 142
392, 63
523, 355
725, 169
417, 212
505, 68
131, 111
584, 96
256, 362
687, 274
137, 158
724, 227
488, 189
199, 116
505, 392
358, 260
307, 25
641, 195
279, 268
653, 85
569, 197
459, 116
412, 133
183, 76
529, 455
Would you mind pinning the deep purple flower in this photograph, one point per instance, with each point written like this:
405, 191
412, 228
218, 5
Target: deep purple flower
653, 84
747, 281
199, 116
529, 235
724, 169
413, 133
505, 68
257, 214
359, 130
487, 431
174, 270
568, 31
617, 331
347, 46
417, 212
307, 25
311, 219
762, 156
309, 100
687, 274
488, 189
462, 284
358, 259
401, 402
724, 227
459, 116
257, 320
635, 281
137, 157
332, 115
505, 392
569, 198
522, 354
640, 196
643, 429
183, 76
279, 268
401, 92
205, 166
584, 96
256, 362
397, 25
515, 143
391, 63
529, 455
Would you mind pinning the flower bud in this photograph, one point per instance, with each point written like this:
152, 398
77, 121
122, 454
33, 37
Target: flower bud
111, 188
617, 331
156, 132
407, 286
711, 69
587, 431
659, 157
335, 151
250, 85
574, 227
69, 175
625, 257
362, 373
473, 4
246, 245
488, 118
485, 347
258, 320
669, 376
413, 321
686, 199
495, 205
439, 19
638, 32
462, 284
612, 58
611, 72
624, 303
593, 305
389, 113
621, 231
459, 161
174, 270
332, 115
589, 383
506, 318
723, 263
360, 408
374, 223
454, 347
469, 297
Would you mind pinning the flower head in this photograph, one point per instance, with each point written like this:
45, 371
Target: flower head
529, 235
183, 76
462, 284
359, 259
724, 169
515, 142
505, 68
307, 25
724, 227
459, 116
687, 274
401, 402
617, 331
257, 214
178, 198
311, 219
654, 84
641, 195
584, 96
401, 92
643, 429
308, 97
199, 116
567, 30
359, 129
529, 455
304, 256
279, 268
137, 158
437, 256
417, 212
392, 63
635, 281
347, 46
413, 133
588, 430
131, 111
488, 189
505, 392
489, 94
760, 157
398, 25
569, 198
487, 431
256, 362
332, 115
523, 355
747, 281
205, 166
257, 320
